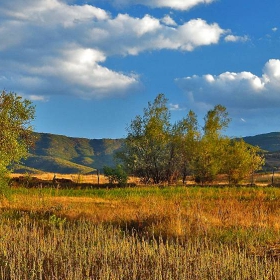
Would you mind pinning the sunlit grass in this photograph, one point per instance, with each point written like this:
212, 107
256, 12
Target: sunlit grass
141, 233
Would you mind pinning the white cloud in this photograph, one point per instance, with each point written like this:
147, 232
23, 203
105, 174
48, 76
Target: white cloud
173, 4
76, 72
51, 11
61, 48
274, 29
126, 35
236, 90
80, 69
168, 20
232, 38
175, 107
37, 98
198, 32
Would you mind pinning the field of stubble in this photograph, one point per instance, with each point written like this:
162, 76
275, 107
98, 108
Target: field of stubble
141, 233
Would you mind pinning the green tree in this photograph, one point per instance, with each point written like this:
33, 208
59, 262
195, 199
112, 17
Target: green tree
215, 122
116, 175
207, 162
146, 149
186, 136
16, 135
157, 151
241, 160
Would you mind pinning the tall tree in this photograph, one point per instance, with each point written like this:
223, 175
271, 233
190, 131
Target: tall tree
216, 121
207, 162
187, 136
16, 135
157, 151
146, 149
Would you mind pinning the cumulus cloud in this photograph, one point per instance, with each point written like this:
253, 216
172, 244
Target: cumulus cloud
147, 33
168, 20
79, 68
51, 11
51, 47
76, 71
173, 4
232, 38
236, 90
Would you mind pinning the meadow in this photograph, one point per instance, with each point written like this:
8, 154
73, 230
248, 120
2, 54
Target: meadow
148, 232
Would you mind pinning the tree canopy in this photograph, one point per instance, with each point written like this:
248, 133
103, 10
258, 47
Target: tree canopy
158, 151
16, 115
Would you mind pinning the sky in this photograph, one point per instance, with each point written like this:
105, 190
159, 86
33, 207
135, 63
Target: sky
91, 66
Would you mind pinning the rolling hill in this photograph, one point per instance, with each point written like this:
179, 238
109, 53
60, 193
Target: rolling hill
62, 154
268, 142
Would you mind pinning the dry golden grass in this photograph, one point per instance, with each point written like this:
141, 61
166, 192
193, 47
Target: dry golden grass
57, 250
93, 179
170, 211
260, 179
141, 233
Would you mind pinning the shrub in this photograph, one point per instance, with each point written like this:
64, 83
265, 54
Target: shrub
116, 175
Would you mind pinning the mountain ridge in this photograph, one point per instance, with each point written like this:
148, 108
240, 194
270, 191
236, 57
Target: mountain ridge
63, 154
267, 141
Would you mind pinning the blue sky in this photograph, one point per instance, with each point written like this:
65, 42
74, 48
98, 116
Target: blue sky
91, 66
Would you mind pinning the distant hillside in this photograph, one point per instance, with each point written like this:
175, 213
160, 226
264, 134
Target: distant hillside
269, 142
62, 154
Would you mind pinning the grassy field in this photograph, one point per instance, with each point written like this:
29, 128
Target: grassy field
141, 233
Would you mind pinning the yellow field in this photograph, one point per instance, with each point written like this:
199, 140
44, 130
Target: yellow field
261, 179
152, 233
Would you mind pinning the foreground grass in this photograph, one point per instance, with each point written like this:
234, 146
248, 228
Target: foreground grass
141, 233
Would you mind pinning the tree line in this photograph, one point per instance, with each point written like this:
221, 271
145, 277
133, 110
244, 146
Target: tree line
158, 151
155, 150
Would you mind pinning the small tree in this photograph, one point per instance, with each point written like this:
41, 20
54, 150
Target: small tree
16, 134
116, 175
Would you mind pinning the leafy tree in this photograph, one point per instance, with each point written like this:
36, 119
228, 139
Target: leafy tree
208, 159
157, 151
216, 121
241, 160
207, 162
186, 136
146, 148
116, 175
16, 135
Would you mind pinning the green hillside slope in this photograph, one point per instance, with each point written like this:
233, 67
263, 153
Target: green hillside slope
62, 154
269, 142
56, 165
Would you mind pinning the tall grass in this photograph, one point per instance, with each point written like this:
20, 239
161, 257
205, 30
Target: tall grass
81, 250
141, 233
